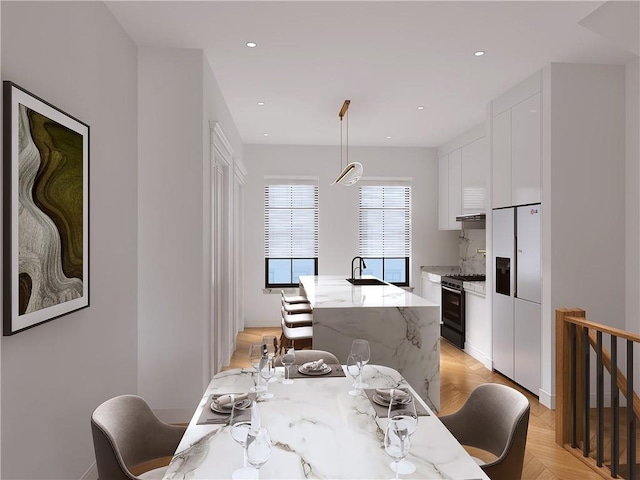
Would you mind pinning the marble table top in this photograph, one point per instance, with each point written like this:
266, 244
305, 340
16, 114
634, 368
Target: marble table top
334, 291
318, 430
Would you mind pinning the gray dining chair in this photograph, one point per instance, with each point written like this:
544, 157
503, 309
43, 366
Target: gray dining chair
304, 356
127, 435
495, 418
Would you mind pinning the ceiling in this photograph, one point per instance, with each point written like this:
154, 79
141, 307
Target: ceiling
386, 57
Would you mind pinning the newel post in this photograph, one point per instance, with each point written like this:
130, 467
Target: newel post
563, 372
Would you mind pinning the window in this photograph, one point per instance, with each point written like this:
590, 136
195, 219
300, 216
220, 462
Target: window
290, 231
385, 231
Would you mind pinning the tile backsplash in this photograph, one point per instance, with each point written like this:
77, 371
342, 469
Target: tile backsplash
469, 241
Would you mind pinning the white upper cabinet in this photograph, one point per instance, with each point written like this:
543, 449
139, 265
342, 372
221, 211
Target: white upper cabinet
449, 196
463, 164
525, 151
516, 158
443, 192
501, 159
455, 188
475, 165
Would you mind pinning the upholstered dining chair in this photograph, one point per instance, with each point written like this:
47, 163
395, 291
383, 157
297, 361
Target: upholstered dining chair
304, 356
127, 436
495, 418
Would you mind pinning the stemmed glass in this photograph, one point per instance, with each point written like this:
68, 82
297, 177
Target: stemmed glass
361, 347
272, 347
267, 371
405, 412
396, 441
258, 448
240, 423
354, 367
255, 356
288, 359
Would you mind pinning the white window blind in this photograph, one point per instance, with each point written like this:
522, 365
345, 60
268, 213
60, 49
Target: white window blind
291, 221
385, 221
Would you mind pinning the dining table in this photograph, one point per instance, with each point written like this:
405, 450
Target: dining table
319, 430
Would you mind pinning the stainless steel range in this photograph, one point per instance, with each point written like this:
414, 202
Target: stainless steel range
453, 307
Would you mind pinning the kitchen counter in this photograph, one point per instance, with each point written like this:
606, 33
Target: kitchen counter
440, 271
403, 329
475, 287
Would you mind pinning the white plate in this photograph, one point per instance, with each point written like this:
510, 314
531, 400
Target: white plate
383, 402
326, 369
228, 407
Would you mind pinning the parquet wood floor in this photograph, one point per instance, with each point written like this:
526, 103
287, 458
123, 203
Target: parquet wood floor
461, 373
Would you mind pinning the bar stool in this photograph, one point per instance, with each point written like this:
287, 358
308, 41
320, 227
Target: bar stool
294, 320
291, 335
293, 298
295, 308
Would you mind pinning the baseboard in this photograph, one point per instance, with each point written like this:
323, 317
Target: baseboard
547, 399
478, 355
91, 473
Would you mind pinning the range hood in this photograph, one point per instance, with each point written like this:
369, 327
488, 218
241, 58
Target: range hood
472, 220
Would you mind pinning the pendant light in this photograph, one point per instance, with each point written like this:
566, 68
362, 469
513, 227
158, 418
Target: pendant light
353, 171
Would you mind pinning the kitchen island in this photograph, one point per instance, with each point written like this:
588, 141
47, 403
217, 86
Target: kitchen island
403, 329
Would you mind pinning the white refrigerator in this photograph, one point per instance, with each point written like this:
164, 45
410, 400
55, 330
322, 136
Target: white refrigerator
517, 294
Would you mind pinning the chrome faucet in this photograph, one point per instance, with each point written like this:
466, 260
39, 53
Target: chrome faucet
353, 268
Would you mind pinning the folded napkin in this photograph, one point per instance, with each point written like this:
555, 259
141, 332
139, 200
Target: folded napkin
230, 398
314, 366
398, 395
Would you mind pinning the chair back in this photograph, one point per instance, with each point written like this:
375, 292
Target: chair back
126, 433
494, 418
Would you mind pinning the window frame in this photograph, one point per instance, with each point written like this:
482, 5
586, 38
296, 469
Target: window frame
291, 181
407, 259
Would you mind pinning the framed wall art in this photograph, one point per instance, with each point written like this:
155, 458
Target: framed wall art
45, 211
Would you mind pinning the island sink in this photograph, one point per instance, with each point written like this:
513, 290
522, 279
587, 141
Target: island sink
365, 281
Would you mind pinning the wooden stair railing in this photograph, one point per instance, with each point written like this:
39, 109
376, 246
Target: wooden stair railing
574, 337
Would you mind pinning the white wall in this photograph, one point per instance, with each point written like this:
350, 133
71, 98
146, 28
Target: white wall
171, 165
584, 161
178, 96
76, 56
338, 212
632, 278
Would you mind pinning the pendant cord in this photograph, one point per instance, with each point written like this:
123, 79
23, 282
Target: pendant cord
347, 138
340, 143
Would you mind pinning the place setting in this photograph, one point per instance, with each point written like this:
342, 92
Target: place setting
381, 400
317, 368
219, 407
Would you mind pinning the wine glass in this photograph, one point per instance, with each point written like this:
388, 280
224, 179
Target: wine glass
361, 347
396, 442
407, 413
288, 359
258, 448
354, 366
267, 371
240, 423
255, 356
272, 347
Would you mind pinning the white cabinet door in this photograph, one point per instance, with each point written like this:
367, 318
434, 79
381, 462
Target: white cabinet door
431, 290
455, 188
527, 333
475, 165
443, 192
525, 151
501, 160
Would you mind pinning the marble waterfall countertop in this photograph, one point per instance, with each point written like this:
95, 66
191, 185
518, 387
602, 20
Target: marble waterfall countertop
403, 330
334, 291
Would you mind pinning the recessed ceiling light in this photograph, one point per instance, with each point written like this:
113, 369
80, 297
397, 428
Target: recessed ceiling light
479, 53
265, 134
388, 136
261, 103
252, 44
420, 107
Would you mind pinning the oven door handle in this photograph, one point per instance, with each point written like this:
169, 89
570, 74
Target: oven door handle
452, 290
